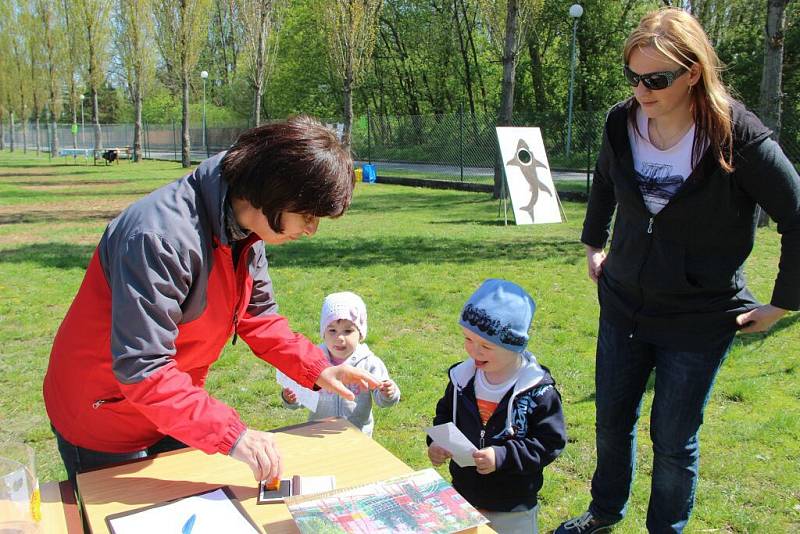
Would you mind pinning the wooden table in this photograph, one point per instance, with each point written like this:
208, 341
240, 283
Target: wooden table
60, 514
329, 447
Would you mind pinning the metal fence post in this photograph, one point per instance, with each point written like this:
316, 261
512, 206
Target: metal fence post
461, 139
174, 146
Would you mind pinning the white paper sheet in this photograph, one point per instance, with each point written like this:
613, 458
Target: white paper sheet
214, 513
450, 438
305, 396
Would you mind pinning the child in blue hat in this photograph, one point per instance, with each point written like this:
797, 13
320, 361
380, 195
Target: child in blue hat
506, 404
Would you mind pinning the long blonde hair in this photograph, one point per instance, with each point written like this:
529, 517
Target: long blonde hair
679, 36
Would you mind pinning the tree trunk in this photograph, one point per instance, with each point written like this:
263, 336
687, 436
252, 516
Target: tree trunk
137, 126
186, 145
11, 131
771, 75
24, 134
38, 132
465, 59
98, 139
348, 104
537, 74
507, 93
74, 122
2, 139
53, 134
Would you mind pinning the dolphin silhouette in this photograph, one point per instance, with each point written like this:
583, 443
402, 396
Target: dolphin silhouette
527, 163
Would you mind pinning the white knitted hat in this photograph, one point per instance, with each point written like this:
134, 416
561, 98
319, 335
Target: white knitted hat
344, 305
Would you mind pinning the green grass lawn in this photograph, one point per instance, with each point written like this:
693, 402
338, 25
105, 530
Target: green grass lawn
414, 255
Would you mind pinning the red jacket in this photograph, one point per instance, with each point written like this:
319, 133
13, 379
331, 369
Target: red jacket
159, 300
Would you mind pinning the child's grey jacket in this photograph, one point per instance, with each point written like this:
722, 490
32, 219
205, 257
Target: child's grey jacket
358, 411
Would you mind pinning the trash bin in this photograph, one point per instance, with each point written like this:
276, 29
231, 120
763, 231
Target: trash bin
359, 175
368, 171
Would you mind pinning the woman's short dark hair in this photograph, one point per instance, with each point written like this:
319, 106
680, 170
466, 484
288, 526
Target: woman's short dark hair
297, 165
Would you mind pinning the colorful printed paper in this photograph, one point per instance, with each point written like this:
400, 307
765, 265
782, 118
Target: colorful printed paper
419, 503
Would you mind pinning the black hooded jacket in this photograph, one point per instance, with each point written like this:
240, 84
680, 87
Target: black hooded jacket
675, 279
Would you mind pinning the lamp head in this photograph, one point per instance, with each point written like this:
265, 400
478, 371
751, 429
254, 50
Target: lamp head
204, 74
575, 11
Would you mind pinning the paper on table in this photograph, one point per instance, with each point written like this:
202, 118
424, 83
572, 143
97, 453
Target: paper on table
450, 438
214, 512
305, 396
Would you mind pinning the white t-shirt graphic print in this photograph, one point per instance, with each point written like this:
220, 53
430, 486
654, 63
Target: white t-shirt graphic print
659, 173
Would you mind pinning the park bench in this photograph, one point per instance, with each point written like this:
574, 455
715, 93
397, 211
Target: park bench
112, 154
75, 152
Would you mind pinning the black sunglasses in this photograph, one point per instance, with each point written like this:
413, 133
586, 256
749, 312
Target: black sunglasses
652, 80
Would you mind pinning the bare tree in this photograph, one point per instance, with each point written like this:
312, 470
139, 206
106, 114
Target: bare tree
50, 39
507, 29
260, 21
94, 16
181, 28
132, 37
34, 44
772, 74
351, 26
73, 65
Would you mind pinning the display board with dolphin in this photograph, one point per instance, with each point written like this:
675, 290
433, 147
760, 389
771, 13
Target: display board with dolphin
527, 175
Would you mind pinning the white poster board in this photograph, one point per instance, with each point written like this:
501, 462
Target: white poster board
527, 176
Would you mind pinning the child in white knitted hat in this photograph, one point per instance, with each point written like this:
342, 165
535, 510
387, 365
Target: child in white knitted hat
343, 327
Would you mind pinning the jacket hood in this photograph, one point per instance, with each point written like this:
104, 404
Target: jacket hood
207, 179
531, 374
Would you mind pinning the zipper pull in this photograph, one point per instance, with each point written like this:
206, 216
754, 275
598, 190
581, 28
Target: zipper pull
235, 326
650, 226
96, 404
483, 431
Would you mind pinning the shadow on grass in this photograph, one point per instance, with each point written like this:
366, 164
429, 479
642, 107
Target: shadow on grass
418, 249
23, 176
53, 255
408, 199
62, 183
58, 216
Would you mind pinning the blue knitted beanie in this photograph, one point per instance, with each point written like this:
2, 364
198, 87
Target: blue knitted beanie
500, 312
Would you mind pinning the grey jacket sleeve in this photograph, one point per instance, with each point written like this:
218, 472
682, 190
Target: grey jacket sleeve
149, 280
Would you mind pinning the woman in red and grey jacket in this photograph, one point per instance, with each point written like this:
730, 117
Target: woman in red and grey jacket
174, 277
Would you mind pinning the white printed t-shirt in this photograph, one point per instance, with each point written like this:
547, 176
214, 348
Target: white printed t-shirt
659, 173
489, 395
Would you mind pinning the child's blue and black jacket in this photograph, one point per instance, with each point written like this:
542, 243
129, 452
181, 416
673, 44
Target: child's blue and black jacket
526, 432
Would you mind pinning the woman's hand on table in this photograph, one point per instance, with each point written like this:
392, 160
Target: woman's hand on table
259, 450
334, 379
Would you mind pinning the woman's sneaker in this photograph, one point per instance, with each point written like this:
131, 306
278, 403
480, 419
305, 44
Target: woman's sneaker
584, 524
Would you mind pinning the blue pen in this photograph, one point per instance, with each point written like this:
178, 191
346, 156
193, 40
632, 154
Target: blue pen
187, 527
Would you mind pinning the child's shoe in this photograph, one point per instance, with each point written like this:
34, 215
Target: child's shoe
584, 524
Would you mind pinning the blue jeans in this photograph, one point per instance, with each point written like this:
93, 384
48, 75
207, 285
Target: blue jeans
77, 459
683, 382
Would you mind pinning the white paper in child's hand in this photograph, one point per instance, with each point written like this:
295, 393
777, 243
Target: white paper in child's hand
305, 396
450, 438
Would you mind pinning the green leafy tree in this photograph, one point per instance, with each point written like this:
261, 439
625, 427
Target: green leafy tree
181, 28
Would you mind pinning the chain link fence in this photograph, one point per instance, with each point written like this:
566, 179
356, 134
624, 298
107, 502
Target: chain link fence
458, 147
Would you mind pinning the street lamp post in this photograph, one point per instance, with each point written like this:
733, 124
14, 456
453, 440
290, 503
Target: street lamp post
204, 75
575, 11
83, 125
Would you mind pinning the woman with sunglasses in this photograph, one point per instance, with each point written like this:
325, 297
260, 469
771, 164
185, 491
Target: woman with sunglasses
685, 166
